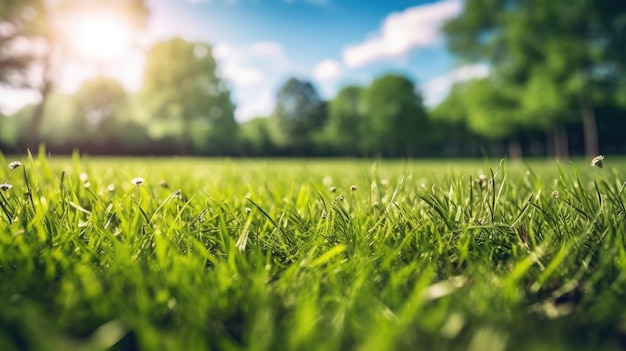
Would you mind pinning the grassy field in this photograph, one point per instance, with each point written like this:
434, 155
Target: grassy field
203, 254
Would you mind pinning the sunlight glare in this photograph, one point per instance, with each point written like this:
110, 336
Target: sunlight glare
100, 38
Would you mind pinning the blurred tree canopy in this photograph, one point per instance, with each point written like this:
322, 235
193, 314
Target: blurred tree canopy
20, 20
259, 137
490, 110
98, 107
184, 96
347, 125
556, 79
396, 122
559, 57
31, 39
300, 112
99, 100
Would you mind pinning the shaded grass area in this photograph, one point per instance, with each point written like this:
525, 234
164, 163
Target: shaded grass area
262, 255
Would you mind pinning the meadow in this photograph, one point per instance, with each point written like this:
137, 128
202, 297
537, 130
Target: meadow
197, 254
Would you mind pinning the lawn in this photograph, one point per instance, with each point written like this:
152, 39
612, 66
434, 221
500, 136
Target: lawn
197, 254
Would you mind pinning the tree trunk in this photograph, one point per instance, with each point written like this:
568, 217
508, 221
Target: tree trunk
515, 150
561, 143
32, 134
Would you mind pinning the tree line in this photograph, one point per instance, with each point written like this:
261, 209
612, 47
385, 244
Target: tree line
556, 87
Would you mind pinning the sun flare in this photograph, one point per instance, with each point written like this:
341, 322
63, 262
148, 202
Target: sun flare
100, 37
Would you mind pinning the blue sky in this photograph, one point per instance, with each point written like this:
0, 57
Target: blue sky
333, 43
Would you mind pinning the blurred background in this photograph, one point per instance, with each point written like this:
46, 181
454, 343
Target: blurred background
394, 78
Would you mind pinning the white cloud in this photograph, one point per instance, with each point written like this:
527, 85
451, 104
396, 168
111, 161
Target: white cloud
401, 32
269, 50
243, 66
326, 70
254, 71
222, 51
241, 76
259, 52
261, 106
261, 49
436, 89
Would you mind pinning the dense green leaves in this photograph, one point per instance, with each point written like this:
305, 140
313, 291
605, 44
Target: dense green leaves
348, 121
559, 58
98, 101
183, 95
396, 121
386, 117
300, 112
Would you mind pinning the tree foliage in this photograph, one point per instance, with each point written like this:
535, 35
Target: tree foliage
20, 20
396, 121
347, 120
183, 92
98, 107
98, 100
30, 37
259, 136
558, 56
300, 112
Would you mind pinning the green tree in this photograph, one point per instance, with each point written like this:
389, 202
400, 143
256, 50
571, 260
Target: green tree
300, 113
23, 21
20, 20
35, 22
489, 110
396, 123
450, 122
258, 136
346, 121
98, 107
184, 94
559, 56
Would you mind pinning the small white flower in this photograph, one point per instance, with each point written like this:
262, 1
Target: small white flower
111, 188
328, 181
597, 161
340, 198
83, 177
324, 214
248, 210
5, 186
332, 189
13, 165
163, 184
555, 194
87, 184
138, 181
353, 188
482, 180
178, 194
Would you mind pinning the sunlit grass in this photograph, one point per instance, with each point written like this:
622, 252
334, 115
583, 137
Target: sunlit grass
192, 254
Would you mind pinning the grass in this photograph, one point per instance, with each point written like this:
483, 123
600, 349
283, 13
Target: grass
261, 255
